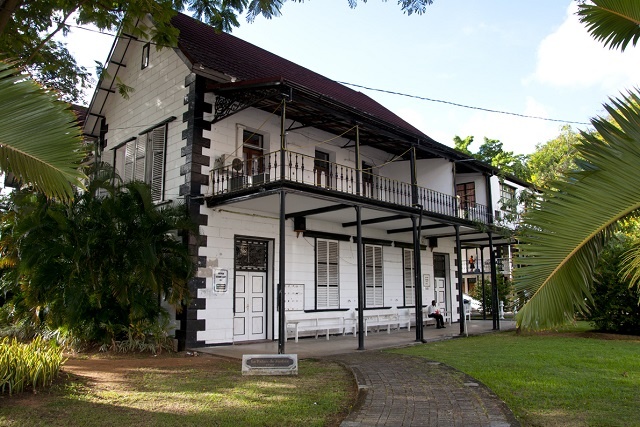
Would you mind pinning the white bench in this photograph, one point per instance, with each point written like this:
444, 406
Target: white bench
381, 318
317, 322
407, 316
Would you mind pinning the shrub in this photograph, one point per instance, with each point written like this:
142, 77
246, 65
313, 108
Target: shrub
615, 307
35, 364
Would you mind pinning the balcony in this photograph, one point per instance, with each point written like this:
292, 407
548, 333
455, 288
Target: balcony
307, 170
503, 266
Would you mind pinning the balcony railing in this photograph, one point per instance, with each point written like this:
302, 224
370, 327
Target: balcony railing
503, 266
304, 169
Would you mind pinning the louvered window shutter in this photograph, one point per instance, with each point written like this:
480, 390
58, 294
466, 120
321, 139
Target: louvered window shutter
157, 139
139, 163
129, 160
327, 275
409, 276
373, 276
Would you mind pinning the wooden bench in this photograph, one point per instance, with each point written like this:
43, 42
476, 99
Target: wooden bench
319, 322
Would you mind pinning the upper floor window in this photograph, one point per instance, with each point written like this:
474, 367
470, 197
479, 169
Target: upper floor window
322, 167
253, 152
145, 55
144, 160
507, 198
466, 193
368, 180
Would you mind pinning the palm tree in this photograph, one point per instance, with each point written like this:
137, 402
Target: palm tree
100, 262
40, 142
566, 230
615, 23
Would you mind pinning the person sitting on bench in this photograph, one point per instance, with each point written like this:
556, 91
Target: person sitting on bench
432, 311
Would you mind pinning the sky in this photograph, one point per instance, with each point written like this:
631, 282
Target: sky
522, 57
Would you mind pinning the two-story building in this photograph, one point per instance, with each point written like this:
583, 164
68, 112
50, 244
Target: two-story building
310, 197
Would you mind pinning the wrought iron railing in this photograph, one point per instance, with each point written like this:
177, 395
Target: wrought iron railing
503, 266
305, 169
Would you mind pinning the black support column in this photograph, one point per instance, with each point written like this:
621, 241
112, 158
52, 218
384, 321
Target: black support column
460, 300
282, 337
417, 277
484, 296
360, 278
494, 285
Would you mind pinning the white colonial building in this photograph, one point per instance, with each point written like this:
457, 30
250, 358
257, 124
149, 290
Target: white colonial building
315, 203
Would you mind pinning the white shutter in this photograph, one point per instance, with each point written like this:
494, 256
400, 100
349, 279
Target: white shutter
129, 160
409, 276
157, 139
333, 296
327, 275
373, 276
139, 163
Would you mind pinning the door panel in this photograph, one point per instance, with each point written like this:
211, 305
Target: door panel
440, 284
249, 318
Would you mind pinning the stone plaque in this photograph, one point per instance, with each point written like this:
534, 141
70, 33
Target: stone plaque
269, 364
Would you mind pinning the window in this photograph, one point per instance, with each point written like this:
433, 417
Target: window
327, 274
144, 159
409, 277
507, 198
252, 152
250, 255
145, 56
373, 279
467, 194
368, 180
322, 168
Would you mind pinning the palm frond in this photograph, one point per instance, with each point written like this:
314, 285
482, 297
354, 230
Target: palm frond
631, 263
615, 23
566, 230
39, 140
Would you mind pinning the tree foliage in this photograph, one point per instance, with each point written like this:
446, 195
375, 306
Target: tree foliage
615, 305
40, 141
97, 264
555, 158
492, 152
568, 229
570, 225
615, 23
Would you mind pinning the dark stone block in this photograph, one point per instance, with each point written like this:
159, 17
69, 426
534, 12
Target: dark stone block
199, 282
190, 79
196, 325
202, 261
200, 159
200, 219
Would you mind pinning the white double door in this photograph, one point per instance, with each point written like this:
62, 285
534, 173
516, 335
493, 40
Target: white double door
250, 316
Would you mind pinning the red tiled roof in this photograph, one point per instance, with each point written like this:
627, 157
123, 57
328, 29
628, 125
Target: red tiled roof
232, 56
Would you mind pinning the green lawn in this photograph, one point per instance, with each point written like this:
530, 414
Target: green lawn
205, 395
566, 378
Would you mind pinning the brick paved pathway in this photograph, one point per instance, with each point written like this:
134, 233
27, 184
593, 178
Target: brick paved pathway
398, 390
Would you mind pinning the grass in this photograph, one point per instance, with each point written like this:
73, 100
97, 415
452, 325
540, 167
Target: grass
204, 396
569, 377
